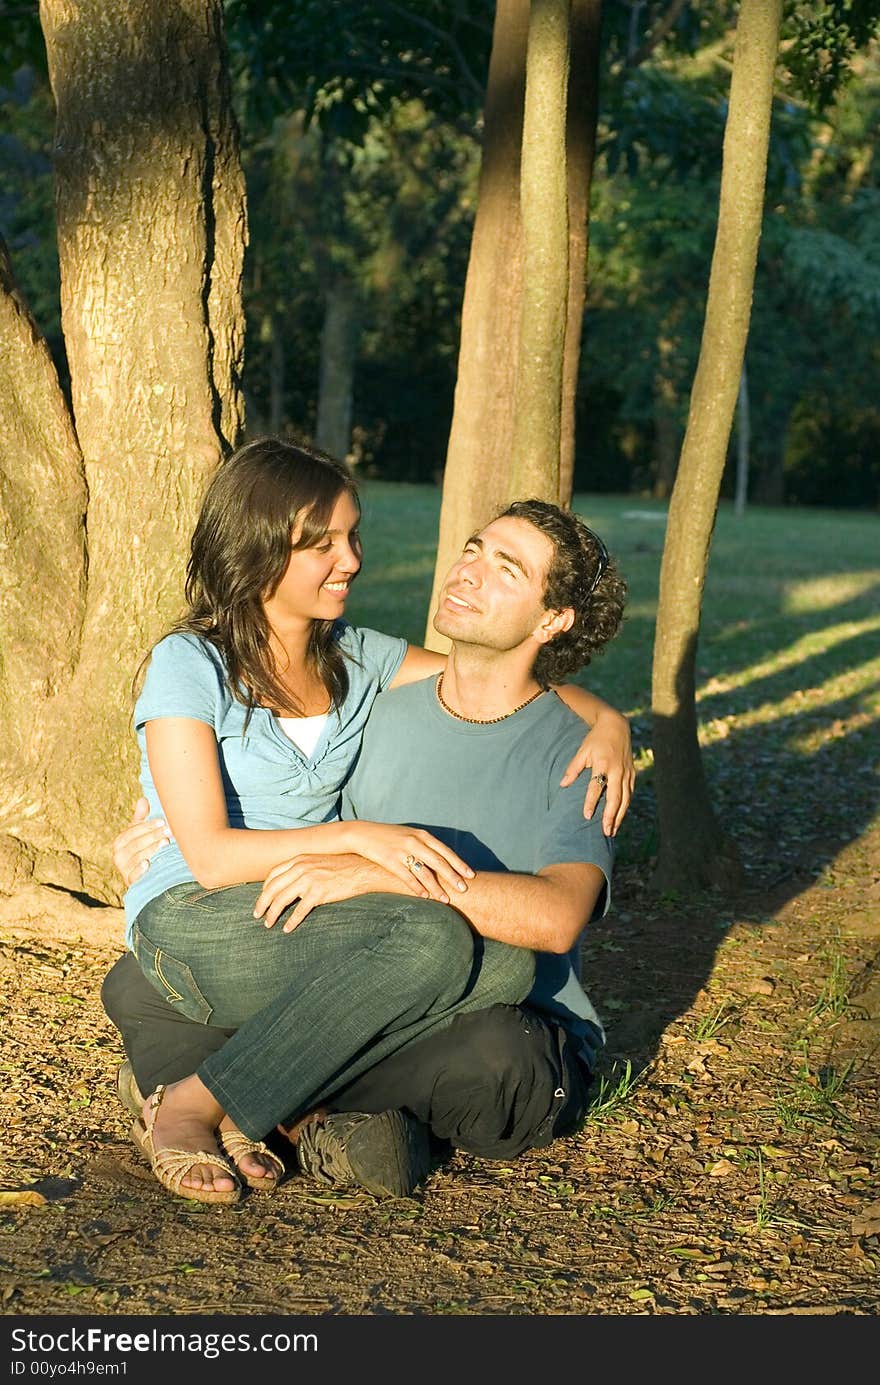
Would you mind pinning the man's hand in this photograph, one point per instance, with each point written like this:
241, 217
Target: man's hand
136, 845
314, 880
607, 751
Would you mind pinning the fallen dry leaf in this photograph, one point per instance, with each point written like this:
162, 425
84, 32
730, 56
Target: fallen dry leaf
21, 1197
762, 985
867, 1223
721, 1168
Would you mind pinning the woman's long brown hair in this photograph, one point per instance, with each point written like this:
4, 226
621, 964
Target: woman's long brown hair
239, 552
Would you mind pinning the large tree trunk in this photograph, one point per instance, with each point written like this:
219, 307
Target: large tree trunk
537, 424
693, 850
43, 574
477, 476
338, 353
151, 231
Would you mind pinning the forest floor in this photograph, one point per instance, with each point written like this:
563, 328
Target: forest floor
730, 1164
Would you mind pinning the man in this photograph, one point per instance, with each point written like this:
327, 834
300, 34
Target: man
475, 756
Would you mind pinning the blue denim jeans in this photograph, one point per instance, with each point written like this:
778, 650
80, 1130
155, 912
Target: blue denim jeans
315, 1008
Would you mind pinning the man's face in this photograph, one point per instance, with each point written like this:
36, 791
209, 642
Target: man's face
494, 594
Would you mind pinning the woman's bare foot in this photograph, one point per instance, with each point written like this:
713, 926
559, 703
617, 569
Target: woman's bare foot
186, 1120
265, 1169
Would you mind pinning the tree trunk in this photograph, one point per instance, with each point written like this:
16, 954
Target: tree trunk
693, 850
537, 423
475, 482
276, 376
583, 110
667, 431
338, 351
43, 575
769, 481
151, 231
743, 442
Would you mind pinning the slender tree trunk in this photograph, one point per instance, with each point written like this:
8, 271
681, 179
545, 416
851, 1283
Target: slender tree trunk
151, 231
537, 424
769, 483
583, 110
743, 442
276, 376
338, 351
667, 430
667, 437
693, 849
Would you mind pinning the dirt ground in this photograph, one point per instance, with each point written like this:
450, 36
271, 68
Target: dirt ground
730, 1165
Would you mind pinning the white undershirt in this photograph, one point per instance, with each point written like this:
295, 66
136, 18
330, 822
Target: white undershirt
305, 732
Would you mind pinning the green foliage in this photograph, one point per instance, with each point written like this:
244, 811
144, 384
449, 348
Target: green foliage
27, 219
360, 131
391, 218
21, 39
653, 217
342, 62
819, 40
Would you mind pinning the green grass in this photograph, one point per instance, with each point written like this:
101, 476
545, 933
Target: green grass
612, 1093
788, 664
785, 588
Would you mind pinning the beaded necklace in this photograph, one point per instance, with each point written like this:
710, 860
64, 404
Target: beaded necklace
483, 721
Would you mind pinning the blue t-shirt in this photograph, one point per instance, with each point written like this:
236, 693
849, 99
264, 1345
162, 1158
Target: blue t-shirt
492, 793
268, 782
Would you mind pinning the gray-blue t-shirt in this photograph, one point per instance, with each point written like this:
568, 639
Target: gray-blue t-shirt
268, 782
492, 793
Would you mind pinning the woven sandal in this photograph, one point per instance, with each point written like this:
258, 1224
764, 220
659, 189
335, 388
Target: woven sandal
237, 1145
171, 1166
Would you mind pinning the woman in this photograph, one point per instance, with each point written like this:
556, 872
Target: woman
249, 720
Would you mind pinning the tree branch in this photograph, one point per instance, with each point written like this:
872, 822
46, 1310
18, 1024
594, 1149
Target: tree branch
444, 36
658, 33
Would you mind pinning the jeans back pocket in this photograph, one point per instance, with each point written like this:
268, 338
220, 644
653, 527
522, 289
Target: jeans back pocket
172, 978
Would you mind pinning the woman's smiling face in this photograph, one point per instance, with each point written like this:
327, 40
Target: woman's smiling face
317, 579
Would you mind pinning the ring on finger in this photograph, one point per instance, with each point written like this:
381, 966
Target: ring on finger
412, 863
601, 779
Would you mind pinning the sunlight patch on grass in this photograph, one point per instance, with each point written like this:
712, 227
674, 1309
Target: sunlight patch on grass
824, 593
814, 642
809, 703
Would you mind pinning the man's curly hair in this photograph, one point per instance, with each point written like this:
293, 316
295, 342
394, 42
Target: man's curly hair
581, 575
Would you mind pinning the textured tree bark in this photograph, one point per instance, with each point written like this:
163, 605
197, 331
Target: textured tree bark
43, 574
338, 351
477, 479
583, 111
151, 231
693, 850
537, 423
478, 457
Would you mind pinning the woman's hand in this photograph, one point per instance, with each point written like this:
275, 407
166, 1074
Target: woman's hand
607, 751
316, 879
410, 853
136, 845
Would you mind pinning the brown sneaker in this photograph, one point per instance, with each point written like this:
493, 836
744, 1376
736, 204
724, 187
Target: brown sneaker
388, 1154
